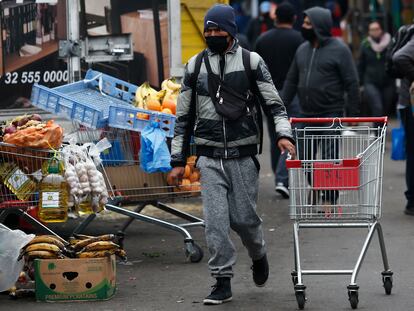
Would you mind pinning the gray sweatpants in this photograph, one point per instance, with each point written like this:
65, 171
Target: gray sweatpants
229, 193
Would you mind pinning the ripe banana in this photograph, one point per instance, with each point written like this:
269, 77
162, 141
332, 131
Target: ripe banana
164, 84
147, 90
42, 247
138, 96
42, 255
121, 253
100, 246
96, 254
50, 239
172, 85
82, 236
80, 245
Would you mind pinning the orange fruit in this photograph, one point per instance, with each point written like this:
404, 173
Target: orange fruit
196, 187
169, 104
186, 185
195, 176
187, 171
143, 116
154, 105
166, 110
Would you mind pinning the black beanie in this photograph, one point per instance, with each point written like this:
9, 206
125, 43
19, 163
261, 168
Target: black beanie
223, 17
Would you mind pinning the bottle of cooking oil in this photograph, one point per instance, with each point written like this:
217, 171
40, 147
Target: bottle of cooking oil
53, 192
17, 181
85, 206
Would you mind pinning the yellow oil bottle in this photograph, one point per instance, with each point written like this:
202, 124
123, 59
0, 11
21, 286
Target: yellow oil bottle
17, 181
85, 206
53, 192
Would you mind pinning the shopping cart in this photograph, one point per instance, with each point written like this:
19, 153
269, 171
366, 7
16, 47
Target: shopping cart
336, 182
128, 185
22, 167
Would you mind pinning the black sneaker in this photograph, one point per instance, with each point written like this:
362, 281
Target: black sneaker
409, 211
221, 292
260, 269
282, 190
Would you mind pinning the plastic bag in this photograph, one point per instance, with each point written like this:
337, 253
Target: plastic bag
398, 144
11, 241
154, 155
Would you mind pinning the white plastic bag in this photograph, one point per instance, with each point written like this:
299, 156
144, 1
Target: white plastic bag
11, 241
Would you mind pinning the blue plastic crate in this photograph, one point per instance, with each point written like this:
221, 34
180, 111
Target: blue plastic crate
86, 101
130, 118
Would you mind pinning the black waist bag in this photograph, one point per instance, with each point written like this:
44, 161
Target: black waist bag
229, 103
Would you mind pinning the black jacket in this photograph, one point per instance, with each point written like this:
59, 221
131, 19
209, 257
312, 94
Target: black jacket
371, 66
404, 62
321, 76
278, 47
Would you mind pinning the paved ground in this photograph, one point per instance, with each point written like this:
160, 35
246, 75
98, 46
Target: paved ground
157, 277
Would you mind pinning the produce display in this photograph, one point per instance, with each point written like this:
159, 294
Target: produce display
190, 181
164, 101
31, 131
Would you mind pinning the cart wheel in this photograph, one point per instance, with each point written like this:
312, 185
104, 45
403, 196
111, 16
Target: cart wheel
294, 278
193, 252
387, 280
300, 298
353, 298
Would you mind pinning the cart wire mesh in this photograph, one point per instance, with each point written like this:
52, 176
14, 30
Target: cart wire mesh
338, 172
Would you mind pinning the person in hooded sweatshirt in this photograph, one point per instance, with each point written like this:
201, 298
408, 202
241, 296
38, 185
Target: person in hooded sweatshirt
379, 87
322, 74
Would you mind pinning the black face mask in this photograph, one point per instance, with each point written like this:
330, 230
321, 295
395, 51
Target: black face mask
308, 34
217, 44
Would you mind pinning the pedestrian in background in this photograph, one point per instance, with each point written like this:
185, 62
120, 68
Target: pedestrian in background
378, 86
403, 60
260, 24
322, 73
227, 145
277, 47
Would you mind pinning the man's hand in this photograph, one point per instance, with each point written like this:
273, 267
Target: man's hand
176, 175
284, 145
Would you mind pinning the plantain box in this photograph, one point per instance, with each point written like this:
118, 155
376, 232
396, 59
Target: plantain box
82, 279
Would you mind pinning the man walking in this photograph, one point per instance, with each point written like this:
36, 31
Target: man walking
322, 73
277, 47
227, 145
404, 63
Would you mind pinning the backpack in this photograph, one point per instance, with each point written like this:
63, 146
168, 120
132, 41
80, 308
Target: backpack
403, 35
253, 87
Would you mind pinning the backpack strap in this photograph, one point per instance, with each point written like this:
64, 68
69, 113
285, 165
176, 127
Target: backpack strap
255, 90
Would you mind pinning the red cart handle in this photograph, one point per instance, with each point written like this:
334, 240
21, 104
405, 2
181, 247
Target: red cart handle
342, 120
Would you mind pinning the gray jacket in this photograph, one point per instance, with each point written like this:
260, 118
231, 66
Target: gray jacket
321, 76
215, 136
403, 60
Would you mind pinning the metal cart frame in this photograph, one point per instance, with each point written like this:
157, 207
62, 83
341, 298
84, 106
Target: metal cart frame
332, 188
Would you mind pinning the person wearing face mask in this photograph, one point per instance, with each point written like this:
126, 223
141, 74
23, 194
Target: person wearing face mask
379, 88
260, 24
227, 145
322, 74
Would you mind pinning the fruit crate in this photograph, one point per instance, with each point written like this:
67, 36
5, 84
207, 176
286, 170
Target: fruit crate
135, 119
87, 101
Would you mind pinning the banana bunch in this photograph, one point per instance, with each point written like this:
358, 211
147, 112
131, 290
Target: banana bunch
171, 86
94, 247
43, 247
144, 93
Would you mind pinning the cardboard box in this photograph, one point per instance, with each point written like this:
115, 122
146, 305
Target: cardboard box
141, 25
75, 279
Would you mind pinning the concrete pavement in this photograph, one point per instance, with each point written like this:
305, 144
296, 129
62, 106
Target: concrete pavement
158, 278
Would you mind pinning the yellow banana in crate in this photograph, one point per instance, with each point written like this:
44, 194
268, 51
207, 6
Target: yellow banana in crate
42, 255
100, 246
80, 245
172, 85
50, 239
96, 254
42, 247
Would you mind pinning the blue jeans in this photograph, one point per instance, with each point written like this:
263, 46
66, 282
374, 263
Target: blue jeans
278, 160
